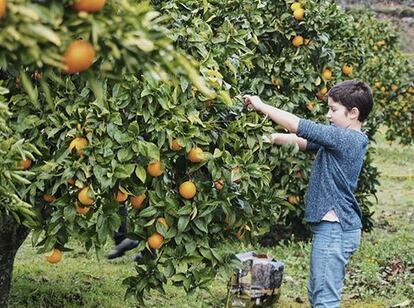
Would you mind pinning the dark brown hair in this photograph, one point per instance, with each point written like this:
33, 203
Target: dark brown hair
353, 93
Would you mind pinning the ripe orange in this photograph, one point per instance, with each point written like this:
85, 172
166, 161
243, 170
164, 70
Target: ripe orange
120, 196
327, 74
299, 14
155, 168
90, 6
2, 8
84, 198
293, 199
137, 201
155, 241
25, 163
78, 144
321, 94
55, 257
162, 221
82, 210
297, 41
78, 57
347, 69
187, 190
219, 184
276, 82
196, 155
295, 6
175, 145
49, 198
310, 105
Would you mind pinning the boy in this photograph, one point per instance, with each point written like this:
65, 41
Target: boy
331, 208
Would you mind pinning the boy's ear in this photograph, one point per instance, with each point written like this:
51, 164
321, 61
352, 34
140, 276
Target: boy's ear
354, 113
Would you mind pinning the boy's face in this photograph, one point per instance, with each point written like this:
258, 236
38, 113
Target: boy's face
339, 115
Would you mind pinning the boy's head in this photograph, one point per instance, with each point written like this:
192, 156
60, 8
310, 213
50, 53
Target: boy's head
355, 96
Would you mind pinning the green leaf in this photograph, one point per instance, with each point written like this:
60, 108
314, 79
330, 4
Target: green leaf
141, 173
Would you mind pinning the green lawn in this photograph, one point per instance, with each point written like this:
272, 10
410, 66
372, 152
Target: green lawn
379, 275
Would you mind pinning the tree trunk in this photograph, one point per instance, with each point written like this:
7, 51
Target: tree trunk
12, 235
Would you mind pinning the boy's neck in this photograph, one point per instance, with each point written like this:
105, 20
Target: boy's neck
356, 126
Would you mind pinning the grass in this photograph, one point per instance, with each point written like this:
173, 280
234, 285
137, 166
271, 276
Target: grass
380, 274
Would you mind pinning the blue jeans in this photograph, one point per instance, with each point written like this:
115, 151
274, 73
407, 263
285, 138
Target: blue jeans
331, 249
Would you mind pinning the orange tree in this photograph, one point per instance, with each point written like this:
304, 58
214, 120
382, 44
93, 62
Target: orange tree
139, 125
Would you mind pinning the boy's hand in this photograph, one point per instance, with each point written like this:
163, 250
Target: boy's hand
253, 102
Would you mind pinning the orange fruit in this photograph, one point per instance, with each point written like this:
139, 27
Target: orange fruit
25, 163
299, 14
84, 198
2, 8
310, 105
78, 57
162, 221
276, 82
55, 257
49, 198
136, 201
78, 144
187, 190
297, 41
293, 199
347, 69
327, 74
90, 6
120, 196
155, 241
295, 6
321, 94
82, 210
378, 84
196, 155
155, 168
219, 184
175, 145
394, 88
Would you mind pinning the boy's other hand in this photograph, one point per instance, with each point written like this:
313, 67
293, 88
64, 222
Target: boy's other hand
252, 102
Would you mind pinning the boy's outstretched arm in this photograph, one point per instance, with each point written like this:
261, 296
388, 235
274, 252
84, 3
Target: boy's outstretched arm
281, 139
281, 117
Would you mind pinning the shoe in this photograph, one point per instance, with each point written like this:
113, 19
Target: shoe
120, 249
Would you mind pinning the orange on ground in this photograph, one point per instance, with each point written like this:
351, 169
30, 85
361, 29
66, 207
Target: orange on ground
55, 257
155, 241
155, 168
187, 190
175, 145
299, 14
196, 155
2, 8
137, 201
78, 57
327, 74
49, 198
78, 144
120, 196
347, 69
82, 210
25, 163
84, 198
297, 41
162, 221
219, 184
90, 6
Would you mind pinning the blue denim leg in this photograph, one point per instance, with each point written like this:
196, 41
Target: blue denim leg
331, 249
